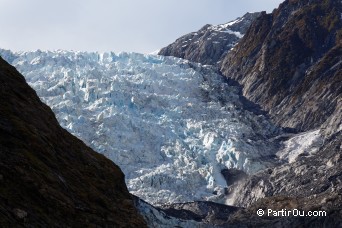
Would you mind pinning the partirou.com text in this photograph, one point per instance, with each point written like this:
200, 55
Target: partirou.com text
290, 212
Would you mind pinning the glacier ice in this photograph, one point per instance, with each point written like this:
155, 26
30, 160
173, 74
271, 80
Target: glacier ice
171, 125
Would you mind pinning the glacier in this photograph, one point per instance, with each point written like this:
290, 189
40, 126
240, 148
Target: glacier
171, 125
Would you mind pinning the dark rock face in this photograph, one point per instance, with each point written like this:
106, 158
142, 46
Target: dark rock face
233, 176
210, 43
206, 212
192, 214
289, 62
49, 178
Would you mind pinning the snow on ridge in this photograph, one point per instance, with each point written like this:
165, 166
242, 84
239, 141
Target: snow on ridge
233, 22
224, 28
170, 124
238, 34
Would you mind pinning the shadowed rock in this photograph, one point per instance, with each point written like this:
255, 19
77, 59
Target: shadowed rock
289, 62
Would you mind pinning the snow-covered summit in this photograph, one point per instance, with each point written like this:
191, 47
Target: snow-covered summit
170, 124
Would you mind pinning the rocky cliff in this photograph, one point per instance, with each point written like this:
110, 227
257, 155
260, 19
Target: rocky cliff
49, 178
212, 42
290, 63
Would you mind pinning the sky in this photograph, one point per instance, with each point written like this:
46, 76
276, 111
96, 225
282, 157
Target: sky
112, 25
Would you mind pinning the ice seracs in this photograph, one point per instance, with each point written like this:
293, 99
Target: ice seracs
170, 124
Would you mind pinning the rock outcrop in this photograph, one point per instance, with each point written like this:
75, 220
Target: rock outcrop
49, 178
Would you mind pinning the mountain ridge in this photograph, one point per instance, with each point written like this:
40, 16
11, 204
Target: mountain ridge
209, 44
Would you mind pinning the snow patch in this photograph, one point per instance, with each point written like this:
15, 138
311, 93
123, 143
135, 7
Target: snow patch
306, 144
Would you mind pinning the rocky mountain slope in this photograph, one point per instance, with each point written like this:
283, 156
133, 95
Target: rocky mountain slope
290, 63
49, 178
212, 42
